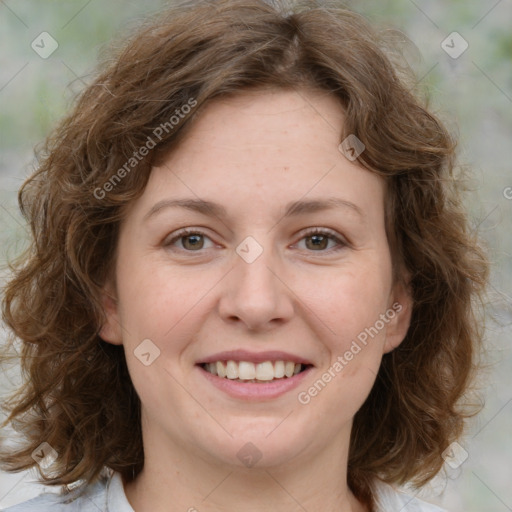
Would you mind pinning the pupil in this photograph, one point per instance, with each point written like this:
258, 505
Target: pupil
319, 241
195, 244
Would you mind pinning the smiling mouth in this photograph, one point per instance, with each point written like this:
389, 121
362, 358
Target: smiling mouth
246, 371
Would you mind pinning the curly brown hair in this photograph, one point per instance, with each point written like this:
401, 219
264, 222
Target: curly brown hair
78, 395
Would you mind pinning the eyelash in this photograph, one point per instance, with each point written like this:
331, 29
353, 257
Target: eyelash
331, 235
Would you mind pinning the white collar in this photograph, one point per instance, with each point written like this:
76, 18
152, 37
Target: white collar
116, 497
388, 498
391, 499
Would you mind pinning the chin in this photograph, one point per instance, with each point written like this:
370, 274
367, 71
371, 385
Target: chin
258, 450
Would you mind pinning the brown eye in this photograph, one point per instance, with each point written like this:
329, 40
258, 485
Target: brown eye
317, 242
187, 240
192, 242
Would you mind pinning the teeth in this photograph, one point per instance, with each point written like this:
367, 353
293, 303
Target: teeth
231, 370
220, 368
250, 372
279, 369
288, 368
246, 370
265, 371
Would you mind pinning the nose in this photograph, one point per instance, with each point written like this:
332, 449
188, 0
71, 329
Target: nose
256, 294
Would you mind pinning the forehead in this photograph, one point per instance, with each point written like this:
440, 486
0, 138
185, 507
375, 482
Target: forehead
262, 148
269, 116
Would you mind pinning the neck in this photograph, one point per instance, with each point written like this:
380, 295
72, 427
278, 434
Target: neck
177, 479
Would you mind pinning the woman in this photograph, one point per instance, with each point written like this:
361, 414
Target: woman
251, 282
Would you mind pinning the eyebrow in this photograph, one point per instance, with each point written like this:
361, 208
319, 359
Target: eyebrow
217, 210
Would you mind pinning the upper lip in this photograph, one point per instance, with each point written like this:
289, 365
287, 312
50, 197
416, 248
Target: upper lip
254, 357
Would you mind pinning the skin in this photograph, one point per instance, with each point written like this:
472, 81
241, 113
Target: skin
253, 153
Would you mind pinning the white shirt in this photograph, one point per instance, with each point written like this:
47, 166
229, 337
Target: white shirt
107, 495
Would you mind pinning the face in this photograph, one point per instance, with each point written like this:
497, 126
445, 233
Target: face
284, 258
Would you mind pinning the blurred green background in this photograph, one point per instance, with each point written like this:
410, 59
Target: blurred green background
471, 93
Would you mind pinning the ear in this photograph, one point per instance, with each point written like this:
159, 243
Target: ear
111, 330
401, 304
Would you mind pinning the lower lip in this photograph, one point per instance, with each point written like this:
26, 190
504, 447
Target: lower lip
255, 390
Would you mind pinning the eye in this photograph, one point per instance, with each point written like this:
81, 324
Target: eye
317, 240
191, 240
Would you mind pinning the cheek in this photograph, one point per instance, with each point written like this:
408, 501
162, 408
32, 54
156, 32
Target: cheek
348, 301
157, 301
348, 390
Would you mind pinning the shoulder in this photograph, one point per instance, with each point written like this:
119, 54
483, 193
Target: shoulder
388, 498
96, 497
44, 503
